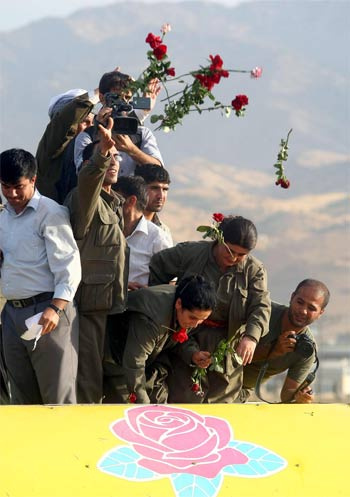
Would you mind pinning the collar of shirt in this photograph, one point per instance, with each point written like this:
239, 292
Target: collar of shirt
141, 226
156, 220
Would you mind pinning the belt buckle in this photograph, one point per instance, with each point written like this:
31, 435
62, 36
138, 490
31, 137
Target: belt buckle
17, 303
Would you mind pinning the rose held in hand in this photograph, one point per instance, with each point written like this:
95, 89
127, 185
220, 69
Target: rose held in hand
174, 440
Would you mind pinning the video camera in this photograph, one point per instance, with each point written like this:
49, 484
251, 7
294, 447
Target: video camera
125, 124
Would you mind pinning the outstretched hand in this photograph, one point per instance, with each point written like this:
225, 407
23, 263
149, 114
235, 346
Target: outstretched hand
106, 140
245, 349
201, 358
153, 91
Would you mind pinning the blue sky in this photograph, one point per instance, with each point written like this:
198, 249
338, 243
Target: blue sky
17, 13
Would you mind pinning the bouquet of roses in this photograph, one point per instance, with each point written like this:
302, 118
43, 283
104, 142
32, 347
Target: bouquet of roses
199, 86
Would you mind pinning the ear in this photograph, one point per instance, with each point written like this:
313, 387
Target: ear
132, 200
178, 304
33, 180
321, 312
102, 98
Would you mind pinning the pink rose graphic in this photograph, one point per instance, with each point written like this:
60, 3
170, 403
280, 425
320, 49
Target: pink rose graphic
175, 440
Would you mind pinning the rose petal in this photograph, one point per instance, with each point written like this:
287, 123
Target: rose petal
208, 470
222, 428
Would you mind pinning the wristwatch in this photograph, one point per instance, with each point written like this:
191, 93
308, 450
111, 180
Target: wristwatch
56, 309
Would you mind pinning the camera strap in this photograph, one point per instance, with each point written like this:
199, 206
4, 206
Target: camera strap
308, 380
261, 375
311, 376
259, 379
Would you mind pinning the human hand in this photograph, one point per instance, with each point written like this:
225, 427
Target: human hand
201, 358
124, 143
285, 343
106, 140
103, 115
304, 396
133, 285
153, 91
86, 123
245, 349
49, 320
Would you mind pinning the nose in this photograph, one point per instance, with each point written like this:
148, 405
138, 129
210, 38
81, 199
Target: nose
197, 323
11, 193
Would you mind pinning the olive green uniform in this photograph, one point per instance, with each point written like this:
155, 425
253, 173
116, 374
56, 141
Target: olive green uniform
96, 218
297, 366
150, 320
243, 306
58, 134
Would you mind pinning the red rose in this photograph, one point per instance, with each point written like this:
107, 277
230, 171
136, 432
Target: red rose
239, 102
195, 387
285, 183
217, 62
132, 398
215, 77
180, 336
160, 51
216, 69
218, 217
170, 71
205, 81
153, 40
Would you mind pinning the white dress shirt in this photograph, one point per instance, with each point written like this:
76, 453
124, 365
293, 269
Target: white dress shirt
39, 250
146, 239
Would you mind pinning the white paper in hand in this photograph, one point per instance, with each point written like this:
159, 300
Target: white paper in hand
34, 329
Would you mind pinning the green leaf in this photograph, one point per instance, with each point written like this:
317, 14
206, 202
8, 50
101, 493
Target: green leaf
154, 118
203, 229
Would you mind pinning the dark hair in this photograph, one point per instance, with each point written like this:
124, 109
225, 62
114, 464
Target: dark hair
16, 163
239, 231
112, 80
133, 185
321, 287
152, 172
196, 292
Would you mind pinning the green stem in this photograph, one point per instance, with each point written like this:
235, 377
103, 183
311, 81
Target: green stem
289, 132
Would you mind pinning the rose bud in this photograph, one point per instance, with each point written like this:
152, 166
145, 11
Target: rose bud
132, 398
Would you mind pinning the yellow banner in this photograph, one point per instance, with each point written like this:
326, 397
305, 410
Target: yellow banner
175, 451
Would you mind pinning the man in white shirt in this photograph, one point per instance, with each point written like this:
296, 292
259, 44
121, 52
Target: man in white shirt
157, 181
144, 238
140, 148
40, 273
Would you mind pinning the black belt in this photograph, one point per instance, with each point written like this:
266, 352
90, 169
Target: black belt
41, 297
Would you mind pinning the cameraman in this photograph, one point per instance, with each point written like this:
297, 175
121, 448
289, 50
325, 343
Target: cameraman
288, 334
140, 148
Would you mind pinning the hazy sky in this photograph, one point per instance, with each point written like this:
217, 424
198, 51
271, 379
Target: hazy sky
17, 13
